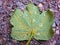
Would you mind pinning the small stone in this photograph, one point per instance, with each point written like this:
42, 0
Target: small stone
58, 42
14, 41
56, 20
57, 32
40, 5
58, 1
25, 2
54, 42
1, 2
57, 27
53, 10
40, 0
59, 6
35, 2
1, 10
54, 25
21, 5
35, 43
31, 42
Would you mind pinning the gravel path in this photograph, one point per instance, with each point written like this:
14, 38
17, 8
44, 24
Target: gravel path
7, 7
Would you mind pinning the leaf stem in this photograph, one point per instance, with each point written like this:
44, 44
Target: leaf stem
30, 38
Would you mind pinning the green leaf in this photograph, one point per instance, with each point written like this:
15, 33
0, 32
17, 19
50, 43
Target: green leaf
31, 23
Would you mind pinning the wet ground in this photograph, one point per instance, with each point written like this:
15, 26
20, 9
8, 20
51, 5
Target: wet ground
7, 7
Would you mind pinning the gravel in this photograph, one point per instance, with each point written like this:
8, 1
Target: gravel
7, 7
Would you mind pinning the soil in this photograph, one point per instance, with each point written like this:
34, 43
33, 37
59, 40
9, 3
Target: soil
7, 7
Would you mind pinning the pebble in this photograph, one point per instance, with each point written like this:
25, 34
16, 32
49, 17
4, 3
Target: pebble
40, 0
53, 10
54, 42
40, 5
58, 42
1, 2
58, 1
31, 42
57, 27
57, 21
25, 2
57, 32
20, 5
59, 6
1, 10
54, 25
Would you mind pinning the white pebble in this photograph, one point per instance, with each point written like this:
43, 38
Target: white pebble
40, 5
57, 32
54, 25
59, 6
53, 10
57, 27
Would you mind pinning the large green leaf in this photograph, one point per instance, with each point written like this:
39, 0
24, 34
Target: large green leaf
31, 23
